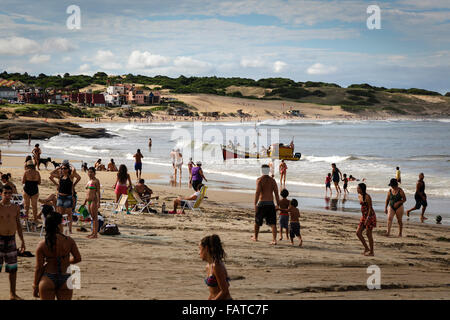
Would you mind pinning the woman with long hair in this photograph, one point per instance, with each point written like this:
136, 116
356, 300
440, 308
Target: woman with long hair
368, 220
30, 180
394, 206
217, 280
68, 179
93, 200
121, 186
52, 260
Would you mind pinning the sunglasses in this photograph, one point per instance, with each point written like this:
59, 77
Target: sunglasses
7, 192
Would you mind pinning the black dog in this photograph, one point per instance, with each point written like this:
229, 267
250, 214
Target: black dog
56, 164
44, 162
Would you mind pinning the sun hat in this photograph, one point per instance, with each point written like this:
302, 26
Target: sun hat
199, 163
65, 162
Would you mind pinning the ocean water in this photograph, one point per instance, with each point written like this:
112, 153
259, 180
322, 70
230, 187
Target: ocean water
364, 149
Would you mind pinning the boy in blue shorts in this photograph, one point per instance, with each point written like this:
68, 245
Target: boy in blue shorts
284, 215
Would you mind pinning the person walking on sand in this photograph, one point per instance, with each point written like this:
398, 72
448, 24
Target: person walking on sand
138, 163
68, 178
395, 199
31, 180
36, 155
282, 168
197, 176
398, 175
53, 258
10, 224
337, 176
266, 188
121, 187
284, 214
420, 197
93, 200
368, 220
217, 280
294, 222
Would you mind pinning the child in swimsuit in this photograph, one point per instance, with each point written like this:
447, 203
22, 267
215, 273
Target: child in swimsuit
284, 215
345, 183
328, 184
294, 224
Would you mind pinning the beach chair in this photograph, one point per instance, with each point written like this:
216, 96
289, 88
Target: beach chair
194, 205
140, 204
18, 200
119, 207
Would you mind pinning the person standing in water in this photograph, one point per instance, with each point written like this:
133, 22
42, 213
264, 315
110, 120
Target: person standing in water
368, 220
138, 163
150, 143
420, 197
190, 165
178, 164
29, 138
282, 168
398, 175
337, 176
93, 200
395, 199
266, 188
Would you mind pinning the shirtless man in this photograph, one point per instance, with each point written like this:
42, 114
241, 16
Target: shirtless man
36, 155
138, 163
9, 224
143, 191
266, 188
420, 197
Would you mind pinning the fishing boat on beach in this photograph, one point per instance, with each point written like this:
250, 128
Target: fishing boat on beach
275, 151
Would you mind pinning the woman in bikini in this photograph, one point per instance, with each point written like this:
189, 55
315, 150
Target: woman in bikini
93, 200
394, 200
121, 187
31, 179
217, 280
68, 179
283, 169
52, 260
368, 220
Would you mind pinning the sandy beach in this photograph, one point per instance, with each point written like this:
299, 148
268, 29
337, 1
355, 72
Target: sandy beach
156, 256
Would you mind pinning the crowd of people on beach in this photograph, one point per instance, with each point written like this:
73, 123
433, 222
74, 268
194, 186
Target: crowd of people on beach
58, 251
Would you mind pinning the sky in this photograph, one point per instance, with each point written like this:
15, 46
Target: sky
312, 40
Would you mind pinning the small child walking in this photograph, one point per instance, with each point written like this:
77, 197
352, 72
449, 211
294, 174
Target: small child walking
328, 185
294, 225
284, 214
345, 183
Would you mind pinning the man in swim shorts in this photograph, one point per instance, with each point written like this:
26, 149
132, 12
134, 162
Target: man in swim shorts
266, 188
138, 163
10, 224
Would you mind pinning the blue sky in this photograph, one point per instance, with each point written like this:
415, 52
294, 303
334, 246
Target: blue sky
317, 40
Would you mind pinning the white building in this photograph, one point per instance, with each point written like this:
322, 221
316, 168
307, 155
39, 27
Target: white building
8, 93
113, 90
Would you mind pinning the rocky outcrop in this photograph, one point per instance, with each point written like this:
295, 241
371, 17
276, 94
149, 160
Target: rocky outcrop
42, 130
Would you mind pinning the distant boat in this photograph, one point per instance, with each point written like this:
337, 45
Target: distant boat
276, 151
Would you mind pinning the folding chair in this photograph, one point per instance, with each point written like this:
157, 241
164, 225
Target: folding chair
140, 205
194, 205
119, 207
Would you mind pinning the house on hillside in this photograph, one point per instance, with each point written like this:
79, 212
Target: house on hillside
8, 93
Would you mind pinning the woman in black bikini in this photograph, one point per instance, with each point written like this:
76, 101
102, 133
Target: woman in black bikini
336, 173
217, 280
68, 179
395, 199
31, 179
52, 260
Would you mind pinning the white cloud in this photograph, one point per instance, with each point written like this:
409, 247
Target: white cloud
84, 67
252, 62
66, 59
58, 44
40, 58
318, 68
105, 60
278, 66
143, 60
17, 46
188, 62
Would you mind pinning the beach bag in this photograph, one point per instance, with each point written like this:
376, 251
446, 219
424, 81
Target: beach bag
110, 230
